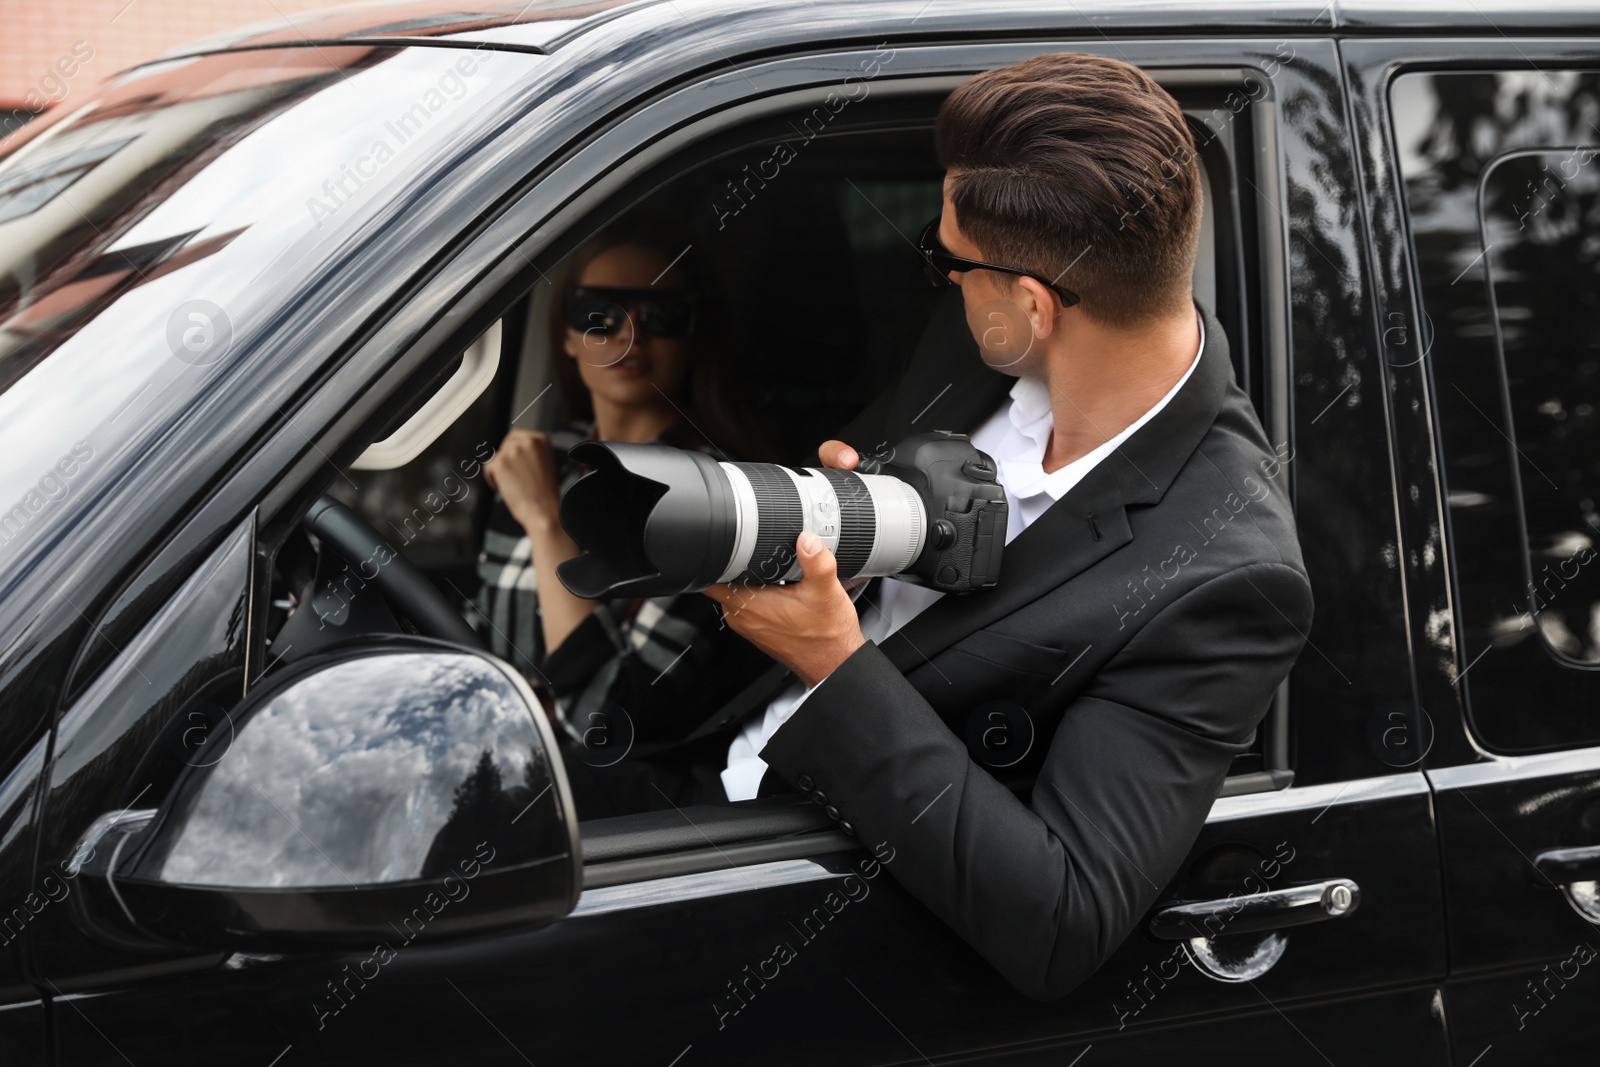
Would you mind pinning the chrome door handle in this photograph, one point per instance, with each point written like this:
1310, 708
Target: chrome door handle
1257, 912
1563, 866
1577, 872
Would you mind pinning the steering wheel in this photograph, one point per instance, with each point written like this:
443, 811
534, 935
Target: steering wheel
406, 588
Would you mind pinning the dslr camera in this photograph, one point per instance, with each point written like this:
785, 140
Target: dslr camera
657, 521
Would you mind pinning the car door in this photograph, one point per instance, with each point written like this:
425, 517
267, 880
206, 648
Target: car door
22, 1010
1491, 146
757, 934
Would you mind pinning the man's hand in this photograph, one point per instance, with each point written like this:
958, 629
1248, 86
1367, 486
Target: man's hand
838, 455
523, 471
810, 626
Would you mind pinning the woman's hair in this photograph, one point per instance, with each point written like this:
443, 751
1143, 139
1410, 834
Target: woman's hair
710, 400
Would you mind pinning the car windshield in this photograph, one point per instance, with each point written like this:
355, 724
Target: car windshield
141, 232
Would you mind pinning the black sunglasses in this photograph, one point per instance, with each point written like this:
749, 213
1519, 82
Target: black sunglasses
664, 313
939, 263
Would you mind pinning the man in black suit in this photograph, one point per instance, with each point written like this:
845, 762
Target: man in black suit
1152, 594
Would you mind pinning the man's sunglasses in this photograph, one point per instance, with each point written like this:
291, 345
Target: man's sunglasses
661, 313
939, 263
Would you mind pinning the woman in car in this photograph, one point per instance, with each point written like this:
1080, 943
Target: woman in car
636, 360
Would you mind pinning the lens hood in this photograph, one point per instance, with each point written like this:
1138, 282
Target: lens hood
653, 521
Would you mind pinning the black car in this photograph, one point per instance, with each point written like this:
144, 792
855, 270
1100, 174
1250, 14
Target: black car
245, 282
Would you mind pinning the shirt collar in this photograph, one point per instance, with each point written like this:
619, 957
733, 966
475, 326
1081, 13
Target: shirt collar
1033, 418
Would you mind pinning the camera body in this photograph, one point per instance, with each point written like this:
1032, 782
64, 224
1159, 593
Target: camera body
966, 508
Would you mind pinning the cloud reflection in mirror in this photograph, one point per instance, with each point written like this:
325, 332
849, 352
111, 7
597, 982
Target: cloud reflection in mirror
383, 769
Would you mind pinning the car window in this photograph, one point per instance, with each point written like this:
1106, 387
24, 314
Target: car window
825, 290
434, 506
141, 233
1503, 194
1542, 290
825, 297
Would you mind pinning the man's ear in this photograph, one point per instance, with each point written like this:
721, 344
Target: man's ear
1039, 303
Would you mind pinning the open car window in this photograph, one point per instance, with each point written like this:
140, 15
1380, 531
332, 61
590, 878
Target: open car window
825, 297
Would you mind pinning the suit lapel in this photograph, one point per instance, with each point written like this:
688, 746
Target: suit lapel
1058, 545
1063, 542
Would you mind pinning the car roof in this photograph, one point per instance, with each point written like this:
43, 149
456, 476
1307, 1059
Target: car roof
546, 25
420, 21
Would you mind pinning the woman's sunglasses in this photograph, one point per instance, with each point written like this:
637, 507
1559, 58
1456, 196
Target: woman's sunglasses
663, 313
939, 263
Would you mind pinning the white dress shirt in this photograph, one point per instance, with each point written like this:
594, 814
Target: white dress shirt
1015, 437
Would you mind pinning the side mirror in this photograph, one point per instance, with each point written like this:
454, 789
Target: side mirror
401, 786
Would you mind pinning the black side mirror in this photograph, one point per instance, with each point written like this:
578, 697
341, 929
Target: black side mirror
398, 786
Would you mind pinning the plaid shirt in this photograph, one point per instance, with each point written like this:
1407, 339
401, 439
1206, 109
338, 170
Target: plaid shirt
629, 669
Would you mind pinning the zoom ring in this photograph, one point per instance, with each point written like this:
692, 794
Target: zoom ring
858, 521
779, 520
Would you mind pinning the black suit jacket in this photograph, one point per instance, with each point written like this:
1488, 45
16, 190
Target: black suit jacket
1134, 641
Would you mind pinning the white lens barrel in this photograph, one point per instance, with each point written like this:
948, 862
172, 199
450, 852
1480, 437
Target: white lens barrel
902, 525
745, 519
874, 524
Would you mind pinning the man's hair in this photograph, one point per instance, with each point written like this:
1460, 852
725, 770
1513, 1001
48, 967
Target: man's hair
1082, 169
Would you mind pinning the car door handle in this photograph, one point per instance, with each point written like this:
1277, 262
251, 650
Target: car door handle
1257, 912
1563, 866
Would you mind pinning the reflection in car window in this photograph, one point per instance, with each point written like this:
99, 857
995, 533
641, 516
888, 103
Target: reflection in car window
150, 225
1502, 189
36, 183
1541, 217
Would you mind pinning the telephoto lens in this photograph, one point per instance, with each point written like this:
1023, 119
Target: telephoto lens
657, 521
